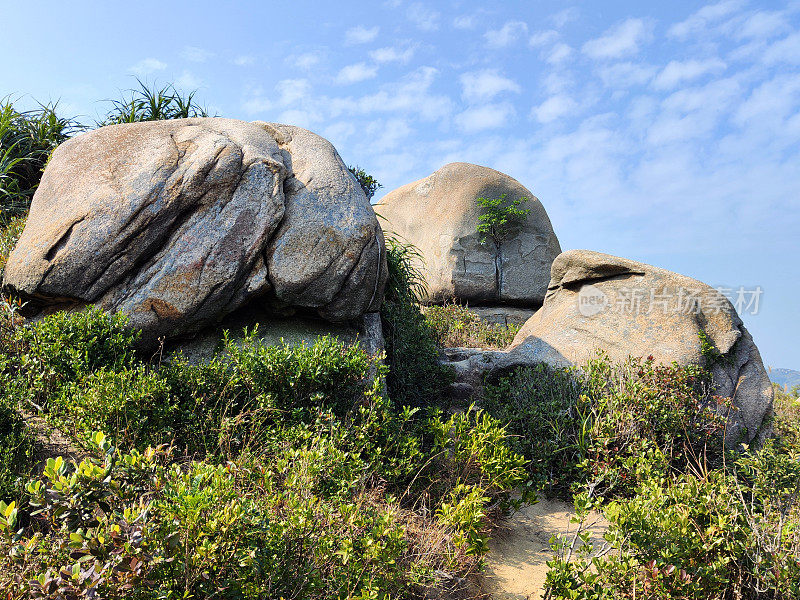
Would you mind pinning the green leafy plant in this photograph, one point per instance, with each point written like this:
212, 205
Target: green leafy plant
501, 218
367, 182
17, 450
10, 231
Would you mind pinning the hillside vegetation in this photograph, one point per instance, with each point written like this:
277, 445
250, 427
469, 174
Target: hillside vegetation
291, 472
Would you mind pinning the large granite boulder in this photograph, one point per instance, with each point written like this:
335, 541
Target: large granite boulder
440, 216
626, 308
179, 223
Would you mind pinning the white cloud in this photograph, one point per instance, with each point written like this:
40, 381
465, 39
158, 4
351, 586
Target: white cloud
257, 104
714, 97
355, 73
509, 33
480, 118
563, 17
786, 50
626, 74
559, 53
387, 134
480, 86
411, 95
304, 61
292, 91
423, 17
763, 25
676, 72
542, 38
340, 131
699, 22
195, 54
620, 40
694, 113
392, 54
360, 35
554, 108
148, 66
465, 22
558, 81
299, 118
775, 99
188, 81
244, 60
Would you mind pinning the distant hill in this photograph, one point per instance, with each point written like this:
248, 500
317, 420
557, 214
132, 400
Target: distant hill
784, 377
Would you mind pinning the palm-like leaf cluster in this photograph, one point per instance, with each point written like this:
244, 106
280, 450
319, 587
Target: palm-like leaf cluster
28, 138
26, 141
151, 103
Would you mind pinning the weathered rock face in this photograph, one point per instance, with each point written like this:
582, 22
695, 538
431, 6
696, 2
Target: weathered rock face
440, 216
178, 223
626, 308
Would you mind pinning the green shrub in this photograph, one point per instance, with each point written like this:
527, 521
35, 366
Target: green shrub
135, 526
311, 478
455, 326
367, 182
614, 425
787, 417
303, 515
471, 448
706, 535
540, 405
416, 377
10, 231
219, 405
42, 357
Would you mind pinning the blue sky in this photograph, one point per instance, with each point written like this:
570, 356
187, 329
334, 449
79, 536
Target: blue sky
664, 132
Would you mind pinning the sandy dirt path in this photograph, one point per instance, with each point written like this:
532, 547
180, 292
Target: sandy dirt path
519, 549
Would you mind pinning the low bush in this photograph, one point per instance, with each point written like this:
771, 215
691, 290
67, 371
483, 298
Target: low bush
39, 359
138, 525
307, 513
352, 493
709, 535
787, 416
416, 376
82, 370
610, 424
455, 326
540, 406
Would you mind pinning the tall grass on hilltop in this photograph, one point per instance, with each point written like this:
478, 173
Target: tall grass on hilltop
152, 103
27, 139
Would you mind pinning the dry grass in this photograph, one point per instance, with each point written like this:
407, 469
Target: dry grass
456, 326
